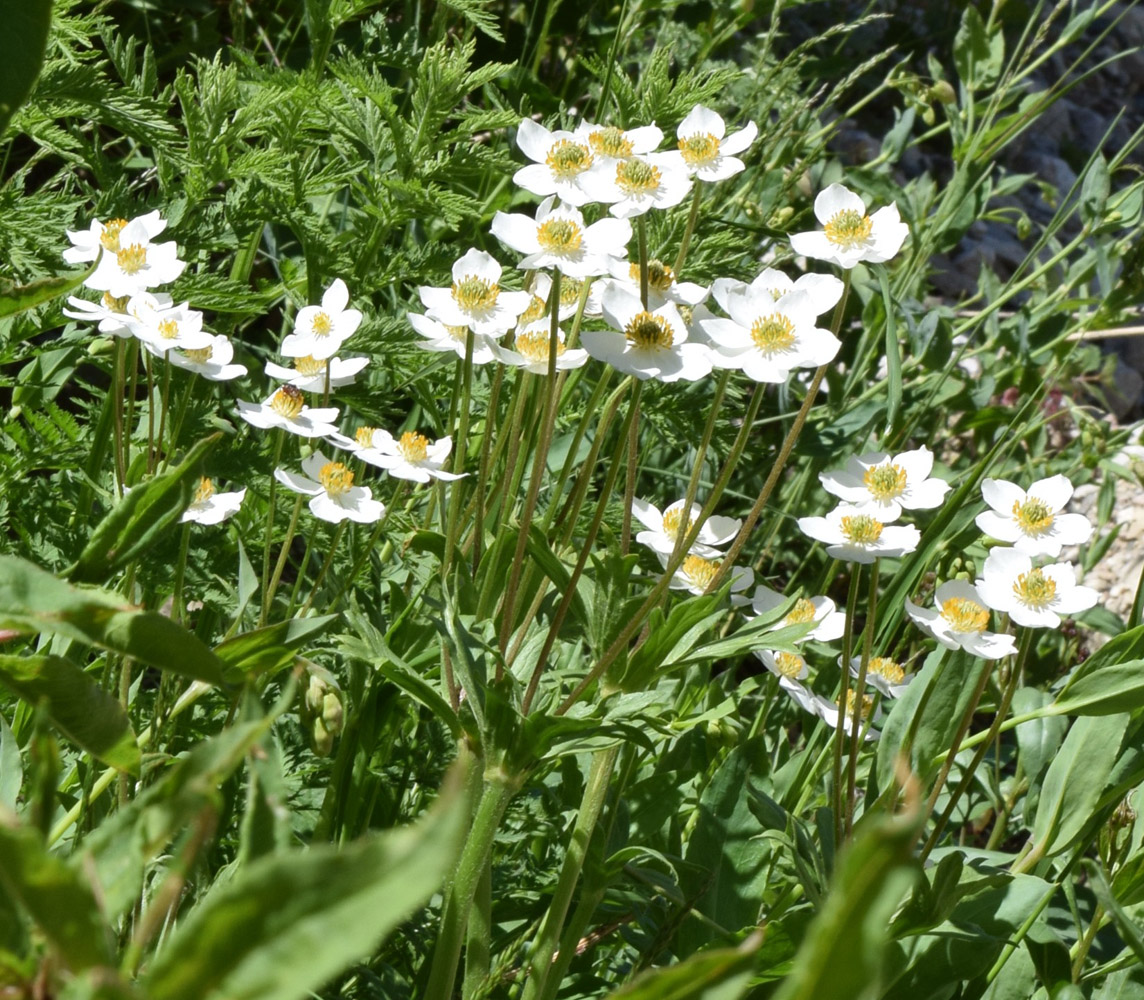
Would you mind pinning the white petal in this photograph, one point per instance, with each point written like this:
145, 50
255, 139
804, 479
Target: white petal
835, 199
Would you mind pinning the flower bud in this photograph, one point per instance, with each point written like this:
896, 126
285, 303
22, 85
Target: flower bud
943, 92
332, 712
321, 739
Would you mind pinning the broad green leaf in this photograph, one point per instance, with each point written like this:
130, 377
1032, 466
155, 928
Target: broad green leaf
1127, 984
1094, 190
18, 298
671, 634
719, 974
265, 650
22, 42
11, 767
977, 55
1108, 682
288, 923
32, 600
55, 896
145, 514
78, 707
1125, 926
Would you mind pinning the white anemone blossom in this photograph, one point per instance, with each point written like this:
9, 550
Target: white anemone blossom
319, 331
475, 298
695, 574
167, 328
286, 409
87, 243
663, 529
888, 484
115, 315
558, 238
959, 619
788, 667
333, 496
411, 456
442, 338
705, 149
641, 183
564, 164
886, 676
1031, 521
530, 350
653, 343
661, 284
829, 623
853, 533
210, 507
850, 236
1035, 597
136, 263
610, 143
823, 290
212, 362
310, 374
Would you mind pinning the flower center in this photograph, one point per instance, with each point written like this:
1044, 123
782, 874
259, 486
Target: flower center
773, 333
200, 355
414, 447
885, 481
364, 436
1033, 516
1035, 590
287, 402
802, 612
637, 177
458, 332
851, 699
849, 228
113, 304
570, 291
674, 522
861, 529
659, 275
964, 615
204, 492
168, 329
789, 665
699, 149
109, 238
559, 235
536, 309
566, 159
611, 141
647, 330
309, 365
700, 571
534, 345
132, 259
322, 325
890, 670
335, 478
475, 293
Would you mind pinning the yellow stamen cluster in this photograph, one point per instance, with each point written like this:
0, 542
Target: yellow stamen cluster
866, 705
1035, 590
566, 159
536, 309
200, 355
533, 345
773, 333
861, 529
335, 478
659, 275
287, 402
802, 612
674, 522
309, 365
964, 615
570, 291
364, 436
204, 492
168, 329
647, 330
116, 305
132, 259
414, 447
700, 571
322, 326
611, 141
458, 332
889, 670
699, 149
637, 177
558, 235
789, 665
1033, 516
475, 293
849, 228
885, 481
109, 238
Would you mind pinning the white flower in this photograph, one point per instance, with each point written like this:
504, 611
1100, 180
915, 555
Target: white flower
822, 290
137, 264
530, 350
114, 315
331, 487
412, 456
703, 149
442, 338
475, 299
309, 374
286, 409
607, 142
213, 362
661, 284
564, 164
850, 236
558, 238
695, 574
653, 344
767, 339
1031, 522
785, 666
641, 183
663, 529
320, 330
830, 623
958, 620
887, 485
886, 676
209, 507
168, 328
570, 289
854, 534
86, 244
829, 712
1033, 597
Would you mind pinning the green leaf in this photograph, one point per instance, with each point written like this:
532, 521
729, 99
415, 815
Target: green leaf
1094, 191
54, 896
141, 517
1108, 682
19, 298
32, 600
1125, 926
22, 43
977, 55
264, 650
288, 923
719, 974
78, 707
893, 355
11, 767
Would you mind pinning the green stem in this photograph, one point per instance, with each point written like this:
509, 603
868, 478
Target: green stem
632, 468
284, 553
180, 574
859, 691
477, 537
692, 218
119, 392
150, 411
278, 444
847, 651
165, 396
460, 449
325, 568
